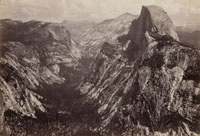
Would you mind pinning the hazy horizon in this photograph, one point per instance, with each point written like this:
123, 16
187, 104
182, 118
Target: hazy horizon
182, 12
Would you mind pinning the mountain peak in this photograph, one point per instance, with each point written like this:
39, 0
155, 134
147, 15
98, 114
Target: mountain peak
125, 16
161, 21
153, 19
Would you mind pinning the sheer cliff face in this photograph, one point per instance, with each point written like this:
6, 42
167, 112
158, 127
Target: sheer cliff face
156, 91
31, 55
153, 19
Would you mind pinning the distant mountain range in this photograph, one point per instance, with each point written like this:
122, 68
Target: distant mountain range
190, 38
188, 28
91, 35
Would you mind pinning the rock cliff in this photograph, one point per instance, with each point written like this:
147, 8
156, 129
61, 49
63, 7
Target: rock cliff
33, 55
148, 83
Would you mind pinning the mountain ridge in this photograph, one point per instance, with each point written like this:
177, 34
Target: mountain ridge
142, 81
28, 62
92, 38
136, 87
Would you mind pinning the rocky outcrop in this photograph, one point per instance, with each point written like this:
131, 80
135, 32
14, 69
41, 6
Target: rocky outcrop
148, 84
153, 19
33, 55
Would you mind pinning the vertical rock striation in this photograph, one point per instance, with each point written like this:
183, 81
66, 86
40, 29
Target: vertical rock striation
32, 55
149, 83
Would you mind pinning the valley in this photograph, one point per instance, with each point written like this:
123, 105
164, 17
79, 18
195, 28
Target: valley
125, 76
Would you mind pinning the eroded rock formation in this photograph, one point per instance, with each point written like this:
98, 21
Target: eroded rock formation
149, 88
32, 55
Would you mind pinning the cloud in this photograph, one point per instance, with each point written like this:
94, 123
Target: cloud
95, 10
32, 9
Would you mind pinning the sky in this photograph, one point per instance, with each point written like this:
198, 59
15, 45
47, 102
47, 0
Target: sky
182, 12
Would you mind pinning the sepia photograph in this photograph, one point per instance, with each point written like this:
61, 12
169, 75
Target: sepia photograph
99, 67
